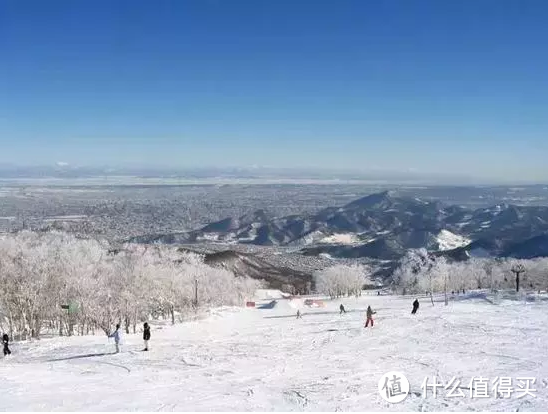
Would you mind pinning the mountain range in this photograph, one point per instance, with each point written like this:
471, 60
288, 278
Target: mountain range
384, 226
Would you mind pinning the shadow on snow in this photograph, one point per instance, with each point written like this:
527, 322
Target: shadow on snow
81, 356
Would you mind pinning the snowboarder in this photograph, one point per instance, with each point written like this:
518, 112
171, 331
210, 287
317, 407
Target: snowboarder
146, 335
5, 341
370, 314
299, 314
342, 309
415, 306
117, 337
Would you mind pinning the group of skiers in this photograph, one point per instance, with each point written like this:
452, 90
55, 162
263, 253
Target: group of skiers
369, 313
117, 335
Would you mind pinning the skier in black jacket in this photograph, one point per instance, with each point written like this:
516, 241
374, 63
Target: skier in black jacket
342, 309
146, 335
5, 341
415, 306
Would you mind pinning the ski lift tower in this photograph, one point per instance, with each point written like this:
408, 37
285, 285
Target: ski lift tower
518, 269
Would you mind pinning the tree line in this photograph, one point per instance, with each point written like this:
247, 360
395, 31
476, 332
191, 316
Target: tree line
341, 280
419, 272
57, 283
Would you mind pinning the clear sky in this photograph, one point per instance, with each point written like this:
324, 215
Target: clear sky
432, 86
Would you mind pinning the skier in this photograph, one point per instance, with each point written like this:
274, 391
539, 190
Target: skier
370, 314
5, 341
415, 306
146, 335
299, 314
342, 309
117, 337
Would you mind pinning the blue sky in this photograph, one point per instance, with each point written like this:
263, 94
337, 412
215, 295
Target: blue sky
431, 86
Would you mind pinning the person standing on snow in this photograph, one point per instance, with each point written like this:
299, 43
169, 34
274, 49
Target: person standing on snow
146, 335
415, 306
5, 342
299, 314
117, 337
370, 314
342, 309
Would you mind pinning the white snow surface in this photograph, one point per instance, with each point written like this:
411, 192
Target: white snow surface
449, 241
267, 360
267, 294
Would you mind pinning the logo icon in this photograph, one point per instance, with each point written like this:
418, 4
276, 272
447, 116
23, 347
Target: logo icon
394, 387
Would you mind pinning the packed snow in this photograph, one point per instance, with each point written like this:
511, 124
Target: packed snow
262, 360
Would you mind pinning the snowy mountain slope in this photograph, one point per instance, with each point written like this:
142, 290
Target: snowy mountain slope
449, 241
276, 277
340, 238
266, 360
530, 248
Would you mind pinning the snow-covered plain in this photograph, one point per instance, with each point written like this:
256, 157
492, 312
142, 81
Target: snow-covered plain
252, 359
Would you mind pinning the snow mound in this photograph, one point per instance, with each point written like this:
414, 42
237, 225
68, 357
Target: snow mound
449, 241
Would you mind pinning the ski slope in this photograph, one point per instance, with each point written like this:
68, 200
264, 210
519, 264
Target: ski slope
251, 359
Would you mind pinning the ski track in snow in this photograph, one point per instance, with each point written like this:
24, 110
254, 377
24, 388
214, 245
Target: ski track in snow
250, 360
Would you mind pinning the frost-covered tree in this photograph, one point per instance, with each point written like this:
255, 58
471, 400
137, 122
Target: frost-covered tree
58, 282
416, 274
536, 274
406, 276
341, 280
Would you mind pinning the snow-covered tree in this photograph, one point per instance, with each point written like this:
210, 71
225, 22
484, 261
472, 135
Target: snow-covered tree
341, 280
58, 282
417, 273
